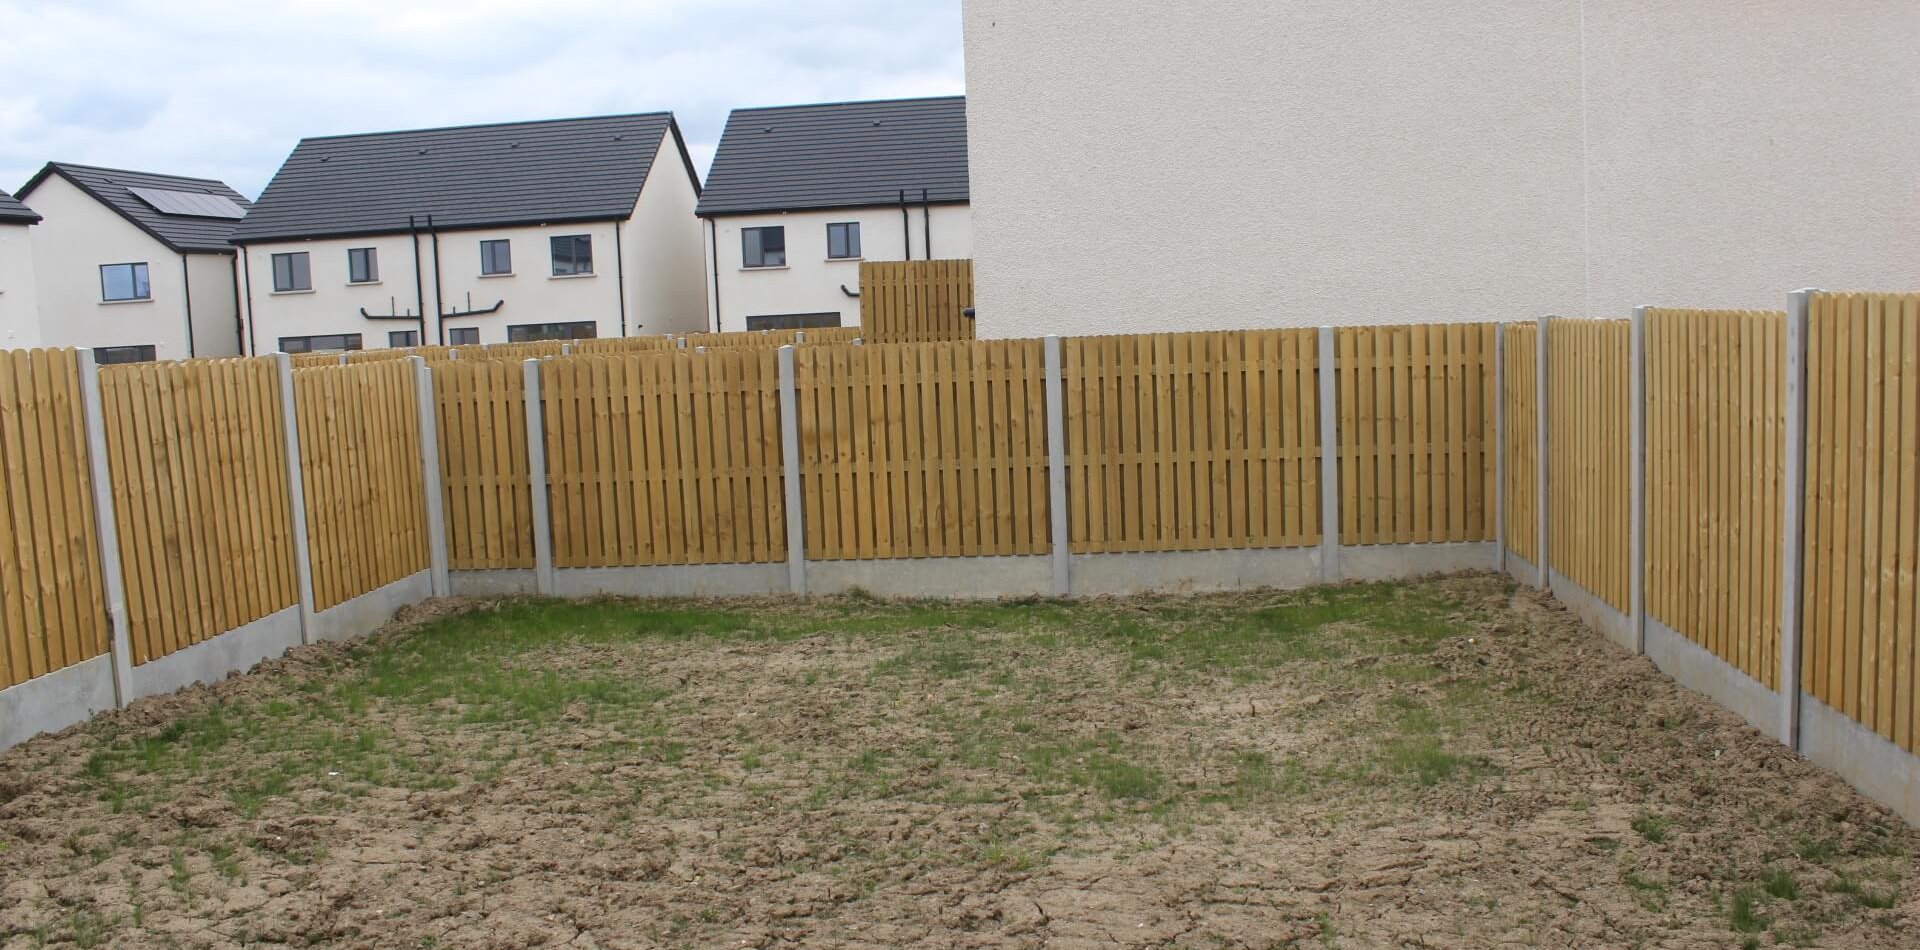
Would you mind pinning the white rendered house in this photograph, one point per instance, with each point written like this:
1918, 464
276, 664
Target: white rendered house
799, 195
19, 314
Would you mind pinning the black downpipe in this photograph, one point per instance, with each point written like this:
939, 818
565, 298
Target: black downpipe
246, 268
239, 322
713, 241
419, 289
926, 219
186, 294
620, 272
906, 227
439, 306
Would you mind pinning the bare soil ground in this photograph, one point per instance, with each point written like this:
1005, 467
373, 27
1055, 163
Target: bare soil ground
1447, 763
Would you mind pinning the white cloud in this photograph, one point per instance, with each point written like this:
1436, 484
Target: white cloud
225, 89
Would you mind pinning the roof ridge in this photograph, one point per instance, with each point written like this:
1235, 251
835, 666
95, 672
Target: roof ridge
851, 102
489, 125
136, 171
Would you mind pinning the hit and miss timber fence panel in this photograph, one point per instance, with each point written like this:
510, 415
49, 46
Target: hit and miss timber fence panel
360, 464
664, 458
481, 422
1416, 437
915, 301
1522, 470
1590, 455
1189, 441
1861, 600
1716, 427
50, 588
932, 450
201, 498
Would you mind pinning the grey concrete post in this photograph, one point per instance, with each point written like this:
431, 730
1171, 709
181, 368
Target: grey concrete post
537, 475
343, 359
106, 534
790, 469
1500, 446
1057, 469
1637, 480
430, 477
1793, 491
799, 337
297, 495
1541, 507
1329, 461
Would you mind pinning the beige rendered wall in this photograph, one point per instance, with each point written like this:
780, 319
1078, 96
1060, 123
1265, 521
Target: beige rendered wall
19, 312
666, 280
75, 236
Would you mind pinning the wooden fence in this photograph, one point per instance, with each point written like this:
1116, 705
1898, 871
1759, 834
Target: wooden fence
916, 301
1522, 470
1715, 449
201, 498
664, 458
365, 491
50, 589
481, 422
1862, 598
1187, 441
1416, 433
1590, 455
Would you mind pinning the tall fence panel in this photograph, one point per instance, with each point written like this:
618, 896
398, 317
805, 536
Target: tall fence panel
1415, 413
1523, 440
1715, 447
508, 352
1590, 455
432, 354
923, 451
481, 417
916, 301
360, 466
617, 345
201, 498
1862, 511
51, 615
666, 458
1192, 441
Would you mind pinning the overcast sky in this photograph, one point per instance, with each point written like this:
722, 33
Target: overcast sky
224, 89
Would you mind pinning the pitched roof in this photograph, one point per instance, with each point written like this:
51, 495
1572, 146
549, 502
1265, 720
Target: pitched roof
839, 155
13, 212
471, 176
109, 186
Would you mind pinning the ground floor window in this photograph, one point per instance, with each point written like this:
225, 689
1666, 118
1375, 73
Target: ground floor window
327, 343
109, 355
403, 338
528, 332
793, 321
464, 336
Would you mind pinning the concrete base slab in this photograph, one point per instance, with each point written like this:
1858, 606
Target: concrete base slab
680, 580
1597, 613
1386, 562
369, 611
55, 701
214, 660
1522, 570
956, 577
1696, 668
1883, 771
496, 583
1185, 571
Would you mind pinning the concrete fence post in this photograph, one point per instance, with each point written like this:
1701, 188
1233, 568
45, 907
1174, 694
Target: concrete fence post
1329, 460
790, 472
106, 534
343, 359
1793, 491
1500, 447
430, 477
1637, 481
1541, 508
297, 495
1057, 469
537, 477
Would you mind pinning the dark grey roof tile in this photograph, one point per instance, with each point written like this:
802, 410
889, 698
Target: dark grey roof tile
179, 232
839, 155
13, 212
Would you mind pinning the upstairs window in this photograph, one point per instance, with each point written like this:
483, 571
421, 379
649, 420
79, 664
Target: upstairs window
763, 247
843, 240
124, 282
572, 255
496, 257
292, 272
363, 265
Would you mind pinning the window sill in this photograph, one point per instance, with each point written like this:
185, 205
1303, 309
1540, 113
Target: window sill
118, 303
845, 260
570, 276
749, 270
290, 293
363, 283
510, 274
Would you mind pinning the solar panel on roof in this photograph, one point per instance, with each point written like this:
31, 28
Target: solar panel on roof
192, 204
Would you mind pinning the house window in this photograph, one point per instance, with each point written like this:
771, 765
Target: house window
464, 336
109, 355
124, 282
572, 255
843, 240
292, 272
793, 321
528, 332
496, 257
403, 338
328, 343
763, 247
363, 265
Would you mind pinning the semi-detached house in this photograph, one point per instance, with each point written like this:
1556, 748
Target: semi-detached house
799, 195
559, 229
19, 315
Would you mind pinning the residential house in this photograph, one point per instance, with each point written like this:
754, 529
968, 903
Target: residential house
133, 264
1149, 166
19, 313
798, 195
568, 228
